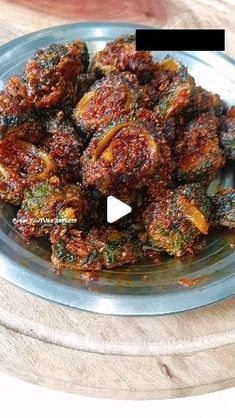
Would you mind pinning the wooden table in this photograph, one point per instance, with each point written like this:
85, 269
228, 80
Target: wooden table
86, 353
23, 16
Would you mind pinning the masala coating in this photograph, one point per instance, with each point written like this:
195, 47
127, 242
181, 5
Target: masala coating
48, 203
22, 163
108, 99
121, 55
171, 87
64, 145
197, 152
165, 133
224, 208
227, 136
51, 75
202, 101
121, 157
12, 185
177, 217
103, 247
17, 118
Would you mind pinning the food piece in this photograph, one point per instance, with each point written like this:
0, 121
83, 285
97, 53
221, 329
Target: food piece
177, 217
204, 101
48, 203
51, 75
197, 153
163, 176
64, 146
83, 83
16, 114
121, 55
22, 164
108, 99
14, 103
224, 208
167, 127
100, 248
27, 159
121, 158
231, 112
171, 87
165, 132
227, 136
31, 131
12, 185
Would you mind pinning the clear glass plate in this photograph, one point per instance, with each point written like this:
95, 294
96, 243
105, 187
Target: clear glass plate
143, 289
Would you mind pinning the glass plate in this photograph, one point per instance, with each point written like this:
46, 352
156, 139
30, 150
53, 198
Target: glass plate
143, 289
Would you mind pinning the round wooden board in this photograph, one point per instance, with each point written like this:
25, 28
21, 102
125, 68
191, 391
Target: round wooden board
117, 357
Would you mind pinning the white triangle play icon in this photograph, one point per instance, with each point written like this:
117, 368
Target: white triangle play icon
116, 209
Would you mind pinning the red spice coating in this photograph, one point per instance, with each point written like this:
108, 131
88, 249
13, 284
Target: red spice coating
51, 75
197, 152
64, 146
12, 185
173, 226
14, 100
108, 99
16, 112
23, 163
162, 177
50, 201
121, 157
171, 87
103, 247
121, 55
227, 135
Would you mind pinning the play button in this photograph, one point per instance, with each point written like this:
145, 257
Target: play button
116, 209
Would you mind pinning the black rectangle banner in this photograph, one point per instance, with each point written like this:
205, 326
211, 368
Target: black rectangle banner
180, 39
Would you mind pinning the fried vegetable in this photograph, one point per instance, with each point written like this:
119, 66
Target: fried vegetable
107, 100
231, 112
99, 248
51, 75
224, 208
120, 158
22, 164
12, 185
167, 127
197, 153
177, 217
227, 136
48, 203
83, 83
163, 176
16, 113
171, 87
165, 132
64, 146
203, 100
121, 55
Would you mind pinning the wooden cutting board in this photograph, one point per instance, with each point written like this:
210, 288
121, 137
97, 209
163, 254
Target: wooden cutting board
110, 356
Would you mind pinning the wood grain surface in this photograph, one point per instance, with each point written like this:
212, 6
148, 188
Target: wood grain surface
117, 357
110, 356
23, 16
